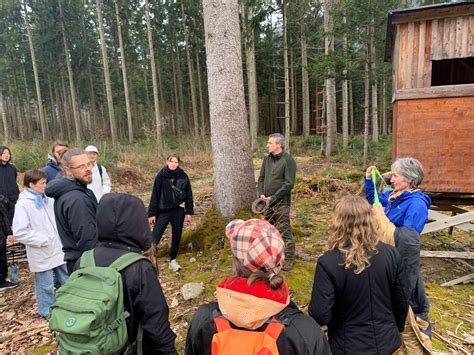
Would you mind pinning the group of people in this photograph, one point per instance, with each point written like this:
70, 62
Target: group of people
366, 283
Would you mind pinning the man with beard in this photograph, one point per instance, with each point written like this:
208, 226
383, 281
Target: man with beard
75, 206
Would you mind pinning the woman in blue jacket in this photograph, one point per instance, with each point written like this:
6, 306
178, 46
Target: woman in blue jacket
406, 211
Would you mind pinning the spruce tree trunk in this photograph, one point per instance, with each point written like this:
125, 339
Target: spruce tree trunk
72, 89
251, 74
287, 79
304, 79
351, 109
192, 84
234, 184
124, 73
384, 108
366, 107
6, 133
331, 120
373, 67
108, 86
42, 120
293, 106
345, 94
201, 97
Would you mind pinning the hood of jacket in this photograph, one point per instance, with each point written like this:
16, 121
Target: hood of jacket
122, 222
250, 306
408, 195
26, 195
59, 187
171, 174
52, 161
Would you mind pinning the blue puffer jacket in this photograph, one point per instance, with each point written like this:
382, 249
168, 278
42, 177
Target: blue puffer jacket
52, 169
410, 209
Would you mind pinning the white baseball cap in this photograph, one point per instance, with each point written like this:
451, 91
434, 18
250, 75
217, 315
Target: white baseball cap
91, 148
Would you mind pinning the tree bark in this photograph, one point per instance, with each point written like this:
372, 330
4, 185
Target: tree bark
351, 109
304, 78
201, 96
124, 73
287, 79
384, 108
108, 86
366, 107
153, 74
192, 84
293, 105
331, 120
345, 93
234, 184
43, 125
6, 133
373, 67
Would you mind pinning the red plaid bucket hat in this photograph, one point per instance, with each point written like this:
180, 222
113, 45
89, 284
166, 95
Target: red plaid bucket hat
257, 244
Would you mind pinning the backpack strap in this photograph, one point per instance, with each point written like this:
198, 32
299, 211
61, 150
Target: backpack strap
87, 259
100, 170
274, 329
222, 324
126, 260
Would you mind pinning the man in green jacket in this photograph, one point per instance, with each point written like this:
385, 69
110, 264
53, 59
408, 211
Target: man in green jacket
276, 180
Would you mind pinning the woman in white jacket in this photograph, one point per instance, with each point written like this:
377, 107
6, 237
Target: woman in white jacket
34, 225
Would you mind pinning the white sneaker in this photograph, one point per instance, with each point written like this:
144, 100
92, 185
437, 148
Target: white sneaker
174, 265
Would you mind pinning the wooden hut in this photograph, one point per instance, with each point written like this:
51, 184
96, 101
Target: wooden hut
432, 50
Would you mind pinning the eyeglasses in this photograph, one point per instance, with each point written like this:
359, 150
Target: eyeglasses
83, 166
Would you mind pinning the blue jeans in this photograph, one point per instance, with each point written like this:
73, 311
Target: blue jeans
45, 282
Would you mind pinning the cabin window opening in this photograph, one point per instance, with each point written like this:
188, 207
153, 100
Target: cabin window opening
456, 71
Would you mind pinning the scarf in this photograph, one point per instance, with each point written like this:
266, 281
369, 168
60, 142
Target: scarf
39, 198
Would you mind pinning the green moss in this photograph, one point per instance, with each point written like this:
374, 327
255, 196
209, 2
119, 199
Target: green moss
44, 349
300, 281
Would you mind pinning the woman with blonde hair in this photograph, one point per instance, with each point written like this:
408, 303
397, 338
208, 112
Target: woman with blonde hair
359, 288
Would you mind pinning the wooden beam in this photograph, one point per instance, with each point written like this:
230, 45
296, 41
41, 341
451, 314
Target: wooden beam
449, 222
469, 255
434, 92
464, 279
439, 217
431, 14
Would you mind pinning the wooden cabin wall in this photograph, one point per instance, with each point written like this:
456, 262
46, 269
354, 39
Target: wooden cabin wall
439, 132
417, 43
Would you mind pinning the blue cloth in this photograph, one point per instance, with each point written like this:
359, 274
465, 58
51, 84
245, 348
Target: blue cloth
45, 282
39, 198
410, 209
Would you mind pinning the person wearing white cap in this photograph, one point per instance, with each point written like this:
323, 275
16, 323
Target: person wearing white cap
100, 184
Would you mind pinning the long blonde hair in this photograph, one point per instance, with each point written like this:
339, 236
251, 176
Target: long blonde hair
353, 232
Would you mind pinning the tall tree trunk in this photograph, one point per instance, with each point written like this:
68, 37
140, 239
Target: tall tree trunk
293, 105
287, 79
6, 133
72, 89
192, 84
67, 117
304, 78
183, 118
234, 184
331, 141
351, 109
105, 63
373, 67
201, 96
384, 108
29, 130
249, 12
92, 104
124, 73
44, 128
153, 75
177, 127
366, 107
345, 92
58, 106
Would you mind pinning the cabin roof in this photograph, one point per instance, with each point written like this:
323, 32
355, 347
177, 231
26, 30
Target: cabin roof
423, 13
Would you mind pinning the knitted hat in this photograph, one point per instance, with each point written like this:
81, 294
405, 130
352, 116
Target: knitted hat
256, 244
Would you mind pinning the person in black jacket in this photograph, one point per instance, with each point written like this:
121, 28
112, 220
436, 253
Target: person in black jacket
255, 296
171, 189
5, 231
8, 185
122, 227
75, 206
359, 288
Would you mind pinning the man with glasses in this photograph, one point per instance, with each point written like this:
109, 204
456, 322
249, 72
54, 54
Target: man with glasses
75, 206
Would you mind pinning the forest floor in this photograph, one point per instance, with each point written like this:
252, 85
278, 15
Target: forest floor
319, 183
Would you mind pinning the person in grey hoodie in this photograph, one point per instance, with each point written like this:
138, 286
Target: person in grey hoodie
75, 206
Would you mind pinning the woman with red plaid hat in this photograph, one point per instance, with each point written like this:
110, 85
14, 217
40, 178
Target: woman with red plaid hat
254, 303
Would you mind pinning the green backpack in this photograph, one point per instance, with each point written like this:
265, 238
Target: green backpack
88, 312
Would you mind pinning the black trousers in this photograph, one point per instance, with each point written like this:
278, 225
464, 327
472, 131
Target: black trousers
3, 258
175, 216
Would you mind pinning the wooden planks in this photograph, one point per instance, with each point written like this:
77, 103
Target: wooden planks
434, 92
438, 132
452, 38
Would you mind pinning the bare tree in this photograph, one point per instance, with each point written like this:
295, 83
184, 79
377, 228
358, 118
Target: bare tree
234, 181
44, 129
6, 133
124, 73
153, 74
345, 93
304, 75
105, 63
331, 121
287, 77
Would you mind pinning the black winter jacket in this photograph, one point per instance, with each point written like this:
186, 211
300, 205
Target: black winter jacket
171, 188
122, 227
75, 210
364, 312
8, 185
298, 336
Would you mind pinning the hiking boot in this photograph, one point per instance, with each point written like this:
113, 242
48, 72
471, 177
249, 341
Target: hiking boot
174, 265
8, 285
288, 265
